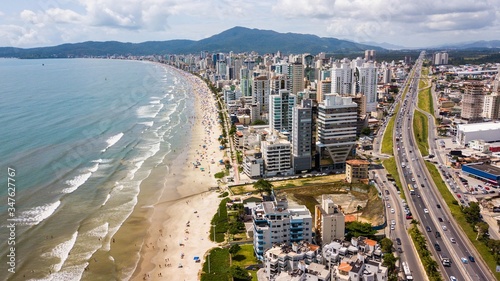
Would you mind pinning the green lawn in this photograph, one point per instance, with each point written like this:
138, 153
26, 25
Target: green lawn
390, 166
218, 266
245, 257
460, 219
387, 142
425, 101
421, 131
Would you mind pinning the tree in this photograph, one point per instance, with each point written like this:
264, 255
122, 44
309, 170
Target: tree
482, 230
366, 131
358, 209
263, 185
234, 249
355, 229
239, 273
389, 262
386, 245
472, 213
259, 122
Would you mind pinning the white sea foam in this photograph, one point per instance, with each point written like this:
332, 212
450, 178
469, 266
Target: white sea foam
94, 168
112, 141
99, 231
154, 102
37, 214
148, 124
137, 166
61, 251
149, 111
105, 201
77, 182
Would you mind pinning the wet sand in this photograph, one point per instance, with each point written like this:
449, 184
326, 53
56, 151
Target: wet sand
184, 197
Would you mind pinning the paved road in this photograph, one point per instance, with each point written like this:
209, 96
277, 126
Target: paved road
426, 202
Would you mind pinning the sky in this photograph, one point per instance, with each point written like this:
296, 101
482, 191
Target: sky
422, 23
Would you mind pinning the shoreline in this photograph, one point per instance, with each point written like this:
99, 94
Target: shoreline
168, 236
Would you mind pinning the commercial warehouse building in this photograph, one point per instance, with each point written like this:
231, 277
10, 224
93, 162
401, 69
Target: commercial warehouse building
489, 132
488, 173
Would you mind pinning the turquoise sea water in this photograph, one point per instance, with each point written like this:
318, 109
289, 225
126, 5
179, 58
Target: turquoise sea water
82, 135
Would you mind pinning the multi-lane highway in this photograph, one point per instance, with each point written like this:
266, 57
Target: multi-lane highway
443, 236
395, 208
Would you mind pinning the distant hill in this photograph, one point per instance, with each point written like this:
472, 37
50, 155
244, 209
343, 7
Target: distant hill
388, 46
472, 45
236, 39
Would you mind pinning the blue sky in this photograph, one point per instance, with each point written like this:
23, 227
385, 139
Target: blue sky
34, 23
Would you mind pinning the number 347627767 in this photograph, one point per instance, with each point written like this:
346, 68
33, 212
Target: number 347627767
11, 191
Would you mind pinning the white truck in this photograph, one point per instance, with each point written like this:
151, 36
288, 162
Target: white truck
445, 261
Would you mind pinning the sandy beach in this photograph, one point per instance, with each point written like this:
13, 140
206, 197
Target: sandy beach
180, 228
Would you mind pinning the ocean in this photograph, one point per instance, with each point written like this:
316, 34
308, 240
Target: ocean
82, 136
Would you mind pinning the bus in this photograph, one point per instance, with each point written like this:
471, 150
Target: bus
410, 188
406, 271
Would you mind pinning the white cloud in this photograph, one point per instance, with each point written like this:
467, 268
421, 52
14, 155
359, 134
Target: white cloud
307, 8
64, 16
357, 20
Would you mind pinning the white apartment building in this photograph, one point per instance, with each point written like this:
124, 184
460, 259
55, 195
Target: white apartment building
260, 92
336, 128
440, 58
365, 83
275, 223
341, 77
277, 155
491, 106
330, 221
281, 111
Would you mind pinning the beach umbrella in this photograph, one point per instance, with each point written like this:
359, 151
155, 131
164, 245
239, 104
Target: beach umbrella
196, 258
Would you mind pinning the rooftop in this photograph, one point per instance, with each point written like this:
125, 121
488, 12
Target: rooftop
490, 169
487, 126
357, 162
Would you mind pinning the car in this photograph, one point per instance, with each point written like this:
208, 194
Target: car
400, 250
388, 205
387, 192
413, 179
453, 278
392, 227
471, 258
464, 260
440, 219
393, 222
444, 227
426, 211
422, 185
428, 229
437, 247
438, 206
398, 241
453, 240
459, 196
392, 211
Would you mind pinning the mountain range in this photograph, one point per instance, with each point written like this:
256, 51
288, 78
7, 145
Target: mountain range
237, 39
